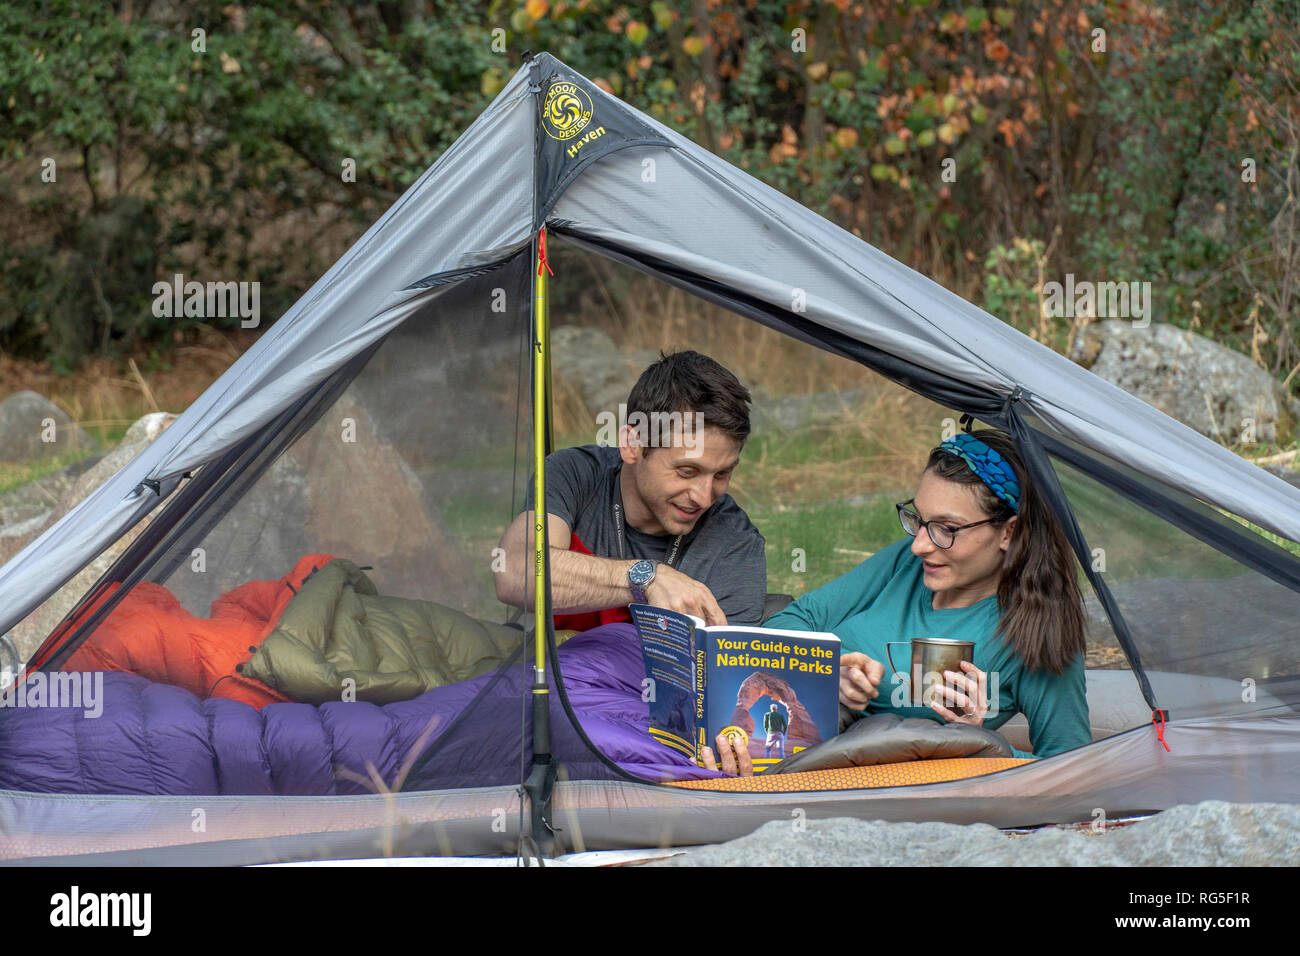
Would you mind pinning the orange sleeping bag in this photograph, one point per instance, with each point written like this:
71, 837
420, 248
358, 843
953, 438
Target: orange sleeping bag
149, 633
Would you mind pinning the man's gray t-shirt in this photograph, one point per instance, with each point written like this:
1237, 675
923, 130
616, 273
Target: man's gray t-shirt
724, 551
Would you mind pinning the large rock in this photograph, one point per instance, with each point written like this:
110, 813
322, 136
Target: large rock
145, 430
587, 359
28, 634
1241, 626
1212, 833
794, 412
32, 427
137, 438
440, 403
28, 508
1213, 389
353, 497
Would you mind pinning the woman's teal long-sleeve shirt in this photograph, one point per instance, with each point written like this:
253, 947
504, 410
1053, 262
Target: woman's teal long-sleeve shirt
885, 599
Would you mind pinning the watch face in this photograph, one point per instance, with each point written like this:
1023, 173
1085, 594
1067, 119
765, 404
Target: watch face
641, 573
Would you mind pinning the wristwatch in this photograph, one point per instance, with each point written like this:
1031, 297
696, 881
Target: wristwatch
639, 577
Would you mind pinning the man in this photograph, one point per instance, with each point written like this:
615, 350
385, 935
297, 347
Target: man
774, 726
649, 521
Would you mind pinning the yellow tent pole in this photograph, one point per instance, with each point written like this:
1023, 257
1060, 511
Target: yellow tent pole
545, 305
541, 776
541, 442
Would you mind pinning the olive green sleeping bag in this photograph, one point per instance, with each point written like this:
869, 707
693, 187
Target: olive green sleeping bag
338, 628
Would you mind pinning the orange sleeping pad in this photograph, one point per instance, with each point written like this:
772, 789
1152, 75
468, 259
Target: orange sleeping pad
861, 778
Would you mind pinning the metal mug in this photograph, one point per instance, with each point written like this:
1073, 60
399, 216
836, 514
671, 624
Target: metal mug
933, 655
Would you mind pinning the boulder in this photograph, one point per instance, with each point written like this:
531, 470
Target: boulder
588, 360
28, 508
466, 405
1213, 833
146, 429
370, 506
794, 412
1236, 627
28, 634
1286, 474
33, 428
1215, 390
137, 438
359, 500
356, 499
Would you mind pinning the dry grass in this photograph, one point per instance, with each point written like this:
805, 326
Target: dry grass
643, 313
879, 442
106, 395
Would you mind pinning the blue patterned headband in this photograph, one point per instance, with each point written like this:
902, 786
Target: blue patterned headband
990, 467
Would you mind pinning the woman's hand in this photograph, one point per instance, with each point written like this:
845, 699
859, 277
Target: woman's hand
860, 675
968, 692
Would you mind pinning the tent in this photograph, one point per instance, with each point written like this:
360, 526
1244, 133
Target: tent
394, 414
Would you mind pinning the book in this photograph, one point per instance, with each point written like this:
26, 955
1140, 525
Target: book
776, 690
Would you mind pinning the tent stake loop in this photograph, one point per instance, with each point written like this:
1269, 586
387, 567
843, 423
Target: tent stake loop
1158, 718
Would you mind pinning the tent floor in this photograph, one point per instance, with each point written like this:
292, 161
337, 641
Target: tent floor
1237, 759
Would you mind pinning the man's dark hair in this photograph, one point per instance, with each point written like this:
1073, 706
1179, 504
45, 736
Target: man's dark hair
689, 382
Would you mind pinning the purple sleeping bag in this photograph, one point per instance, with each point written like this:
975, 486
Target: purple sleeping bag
160, 739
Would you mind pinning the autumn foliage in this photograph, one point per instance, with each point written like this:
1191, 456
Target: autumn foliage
1125, 140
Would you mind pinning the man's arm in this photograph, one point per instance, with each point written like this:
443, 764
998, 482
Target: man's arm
579, 582
584, 582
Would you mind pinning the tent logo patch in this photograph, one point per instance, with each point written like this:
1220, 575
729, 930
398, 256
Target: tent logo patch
567, 111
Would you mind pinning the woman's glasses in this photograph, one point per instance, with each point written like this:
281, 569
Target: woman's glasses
941, 534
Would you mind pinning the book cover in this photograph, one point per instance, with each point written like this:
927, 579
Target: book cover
777, 690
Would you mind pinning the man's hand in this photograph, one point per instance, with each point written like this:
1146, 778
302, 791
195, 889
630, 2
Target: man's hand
679, 592
860, 675
735, 756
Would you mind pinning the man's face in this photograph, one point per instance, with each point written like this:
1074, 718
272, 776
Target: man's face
666, 489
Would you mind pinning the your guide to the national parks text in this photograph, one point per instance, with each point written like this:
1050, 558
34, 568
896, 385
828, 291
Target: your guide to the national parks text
778, 691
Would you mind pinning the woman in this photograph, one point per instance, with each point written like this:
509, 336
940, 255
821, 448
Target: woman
986, 562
